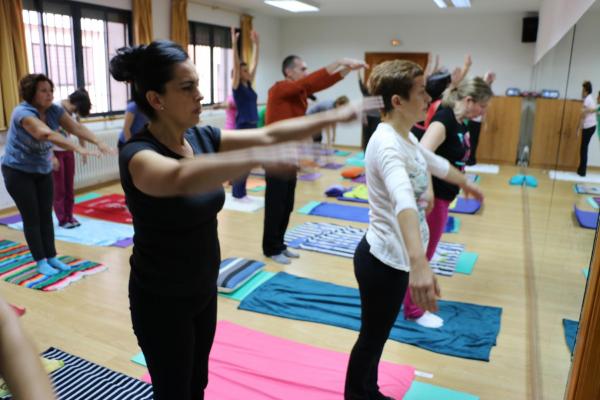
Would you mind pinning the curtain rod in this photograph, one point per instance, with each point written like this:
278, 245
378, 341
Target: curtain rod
217, 7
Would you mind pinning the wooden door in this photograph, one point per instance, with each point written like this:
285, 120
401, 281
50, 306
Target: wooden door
377, 58
555, 143
499, 137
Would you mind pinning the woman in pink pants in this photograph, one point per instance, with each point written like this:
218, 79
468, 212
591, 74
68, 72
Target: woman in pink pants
448, 137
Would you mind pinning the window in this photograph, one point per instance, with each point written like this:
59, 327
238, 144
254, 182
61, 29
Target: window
72, 44
210, 50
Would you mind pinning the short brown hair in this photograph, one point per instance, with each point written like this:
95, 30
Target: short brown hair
393, 78
587, 86
28, 85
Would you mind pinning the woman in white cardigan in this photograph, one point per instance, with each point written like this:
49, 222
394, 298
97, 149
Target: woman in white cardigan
399, 188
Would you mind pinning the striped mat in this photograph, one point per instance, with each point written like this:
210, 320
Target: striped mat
18, 267
82, 380
342, 241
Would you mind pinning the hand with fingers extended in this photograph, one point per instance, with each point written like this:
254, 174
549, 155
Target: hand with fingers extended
84, 152
355, 110
235, 35
352, 63
489, 77
106, 149
423, 285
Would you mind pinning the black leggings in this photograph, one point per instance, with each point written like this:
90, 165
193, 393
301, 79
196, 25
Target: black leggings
583, 149
382, 290
175, 335
279, 204
33, 195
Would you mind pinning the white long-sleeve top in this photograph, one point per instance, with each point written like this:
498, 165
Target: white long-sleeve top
397, 177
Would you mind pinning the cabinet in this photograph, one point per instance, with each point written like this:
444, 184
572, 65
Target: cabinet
500, 131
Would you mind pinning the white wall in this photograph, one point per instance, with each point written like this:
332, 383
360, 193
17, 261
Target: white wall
493, 40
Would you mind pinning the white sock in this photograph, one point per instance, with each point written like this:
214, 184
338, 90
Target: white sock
280, 259
290, 254
429, 320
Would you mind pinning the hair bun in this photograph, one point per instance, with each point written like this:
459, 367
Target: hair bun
124, 66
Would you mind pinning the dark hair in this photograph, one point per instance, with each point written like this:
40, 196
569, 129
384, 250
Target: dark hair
148, 67
393, 78
288, 62
28, 85
437, 83
81, 100
587, 86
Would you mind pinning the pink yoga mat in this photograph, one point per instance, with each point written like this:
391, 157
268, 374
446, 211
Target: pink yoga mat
250, 365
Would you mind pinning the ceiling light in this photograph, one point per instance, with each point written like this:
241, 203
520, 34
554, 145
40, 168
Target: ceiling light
441, 3
293, 5
461, 3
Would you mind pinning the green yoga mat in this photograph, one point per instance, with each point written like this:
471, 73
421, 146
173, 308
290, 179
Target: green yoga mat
249, 286
139, 359
425, 391
86, 197
466, 263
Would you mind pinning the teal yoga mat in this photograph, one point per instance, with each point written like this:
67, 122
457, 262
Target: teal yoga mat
86, 197
466, 263
247, 288
425, 391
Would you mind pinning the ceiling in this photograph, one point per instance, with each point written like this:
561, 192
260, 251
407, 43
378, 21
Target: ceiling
377, 7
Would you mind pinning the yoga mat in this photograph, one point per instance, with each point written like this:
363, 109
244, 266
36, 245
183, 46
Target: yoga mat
356, 162
332, 165
18, 267
446, 257
80, 379
255, 184
352, 200
570, 328
466, 263
310, 177
586, 219
342, 153
483, 169
10, 219
573, 177
360, 179
92, 232
247, 288
338, 211
233, 204
465, 206
86, 197
425, 391
469, 330
18, 310
110, 207
582, 188
325, 238
586, 272
593, 201
249, 365
452, 225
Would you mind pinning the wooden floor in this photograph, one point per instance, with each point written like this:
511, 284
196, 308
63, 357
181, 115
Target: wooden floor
531, 255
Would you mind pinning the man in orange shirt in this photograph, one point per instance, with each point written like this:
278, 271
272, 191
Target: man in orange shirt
288, 99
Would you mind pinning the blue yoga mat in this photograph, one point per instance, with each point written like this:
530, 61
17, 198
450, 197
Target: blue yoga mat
469, 330
466, 206
92, 232
586, 219
570, 333
338, 211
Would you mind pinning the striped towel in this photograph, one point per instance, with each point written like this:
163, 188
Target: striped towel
235, 271
325, 238
17, 266
82, 380
446, 257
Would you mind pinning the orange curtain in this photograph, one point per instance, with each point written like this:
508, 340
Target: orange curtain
246, 27
13, 57
142, 21
179, 23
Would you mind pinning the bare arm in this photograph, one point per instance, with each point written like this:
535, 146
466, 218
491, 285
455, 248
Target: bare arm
255, 52
434, 136
235, 79
40, 131
19, 362
82, 132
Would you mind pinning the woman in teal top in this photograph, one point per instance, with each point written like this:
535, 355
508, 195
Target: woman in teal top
27, 165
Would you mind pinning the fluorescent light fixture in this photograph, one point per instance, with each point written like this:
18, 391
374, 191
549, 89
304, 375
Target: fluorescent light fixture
453, 3
461, 3
293, 5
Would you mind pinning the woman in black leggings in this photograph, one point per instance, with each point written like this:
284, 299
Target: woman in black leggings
27, 164
172, 174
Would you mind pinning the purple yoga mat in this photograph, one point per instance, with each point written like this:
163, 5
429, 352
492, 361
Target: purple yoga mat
586, 219
309, 177
466, 206
360, 179
123, 243
332, 166
10, 219
327, 152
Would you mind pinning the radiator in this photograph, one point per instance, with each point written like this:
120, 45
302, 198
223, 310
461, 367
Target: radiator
98, 169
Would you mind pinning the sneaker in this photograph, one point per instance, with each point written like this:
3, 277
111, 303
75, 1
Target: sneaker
66, 225
290, 254
280, 259
75, 223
